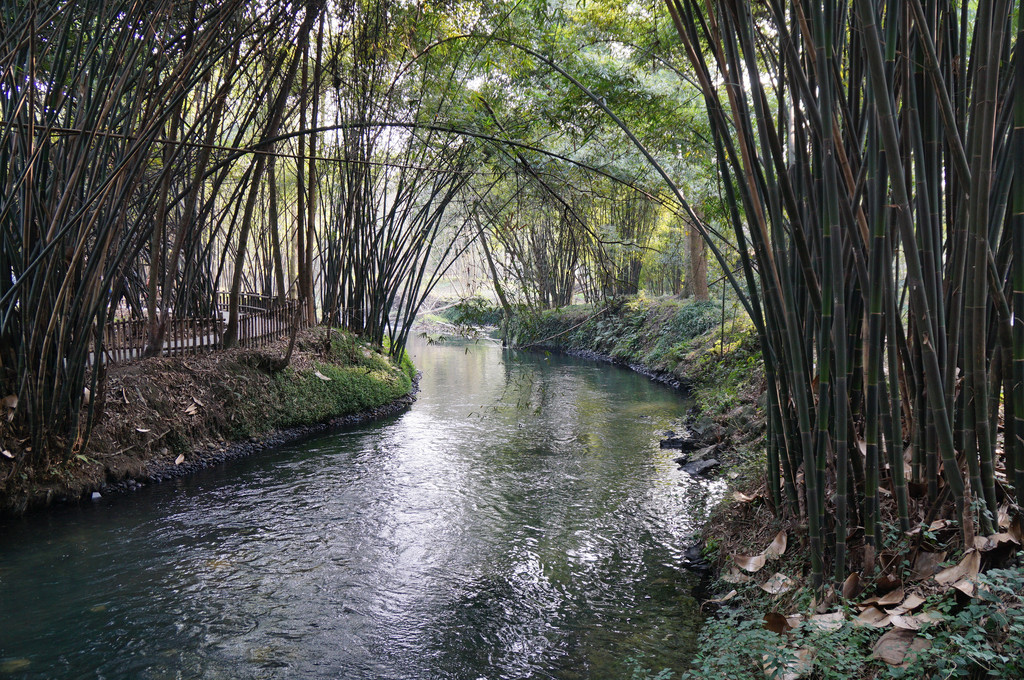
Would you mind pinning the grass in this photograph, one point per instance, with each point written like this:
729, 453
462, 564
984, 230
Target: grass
978, 637
348, 377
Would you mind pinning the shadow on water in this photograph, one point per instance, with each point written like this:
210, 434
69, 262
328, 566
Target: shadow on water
519, 521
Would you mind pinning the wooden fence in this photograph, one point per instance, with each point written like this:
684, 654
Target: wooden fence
259, 327
261, 321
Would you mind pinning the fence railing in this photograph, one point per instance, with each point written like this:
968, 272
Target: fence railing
261, 321
260, 328
250, 301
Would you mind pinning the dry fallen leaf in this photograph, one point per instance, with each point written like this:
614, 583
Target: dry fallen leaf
778, 584
905, 622
892, 647
180, 459
891, 598
925, 618
965, 586
967, 569
828, 622
873, 616
887, 582
912, 602
1005, 537
777, 623
735, 576
725, 598
926, 564
742, 497
1003, 516
751, 563
321, 376
851, 586
7, 454
142, 430
778, 546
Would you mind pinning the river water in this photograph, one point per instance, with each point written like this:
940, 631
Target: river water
519, 521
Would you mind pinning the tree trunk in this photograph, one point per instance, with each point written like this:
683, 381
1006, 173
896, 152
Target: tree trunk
273, 124
275, 237
696, 282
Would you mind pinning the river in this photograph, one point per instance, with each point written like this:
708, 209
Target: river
518, 521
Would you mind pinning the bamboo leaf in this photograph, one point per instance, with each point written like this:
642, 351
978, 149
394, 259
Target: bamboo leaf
967, 568
777, 547
751, 563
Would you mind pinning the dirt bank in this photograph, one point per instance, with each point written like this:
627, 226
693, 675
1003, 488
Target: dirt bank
168, 416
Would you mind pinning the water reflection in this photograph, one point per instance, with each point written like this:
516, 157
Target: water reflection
518, 522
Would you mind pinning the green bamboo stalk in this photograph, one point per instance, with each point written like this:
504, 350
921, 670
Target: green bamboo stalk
922, 314
1015, 448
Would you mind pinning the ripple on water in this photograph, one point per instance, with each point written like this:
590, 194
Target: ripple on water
517, 522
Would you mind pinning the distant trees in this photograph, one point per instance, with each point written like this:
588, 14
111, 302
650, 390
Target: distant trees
579, 214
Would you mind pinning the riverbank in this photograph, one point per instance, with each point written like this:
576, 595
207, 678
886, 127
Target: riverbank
165, 417
684, 344
945, 612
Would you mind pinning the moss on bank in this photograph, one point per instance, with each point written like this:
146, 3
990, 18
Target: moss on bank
163, 415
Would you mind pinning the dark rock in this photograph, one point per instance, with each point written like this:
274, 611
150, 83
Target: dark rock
704, 453
681, 443
702, 427
701, 467
693, 560
681, 460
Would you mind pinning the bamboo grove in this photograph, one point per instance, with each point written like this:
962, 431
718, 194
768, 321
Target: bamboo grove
874, 151
155, 153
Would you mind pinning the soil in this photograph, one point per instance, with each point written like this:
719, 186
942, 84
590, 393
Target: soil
166, 417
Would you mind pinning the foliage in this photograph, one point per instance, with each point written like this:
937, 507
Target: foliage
567, 207
474, 311
981, 638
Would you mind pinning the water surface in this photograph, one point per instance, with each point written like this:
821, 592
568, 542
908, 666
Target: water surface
519, 521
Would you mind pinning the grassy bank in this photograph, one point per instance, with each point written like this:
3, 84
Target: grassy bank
162, 416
